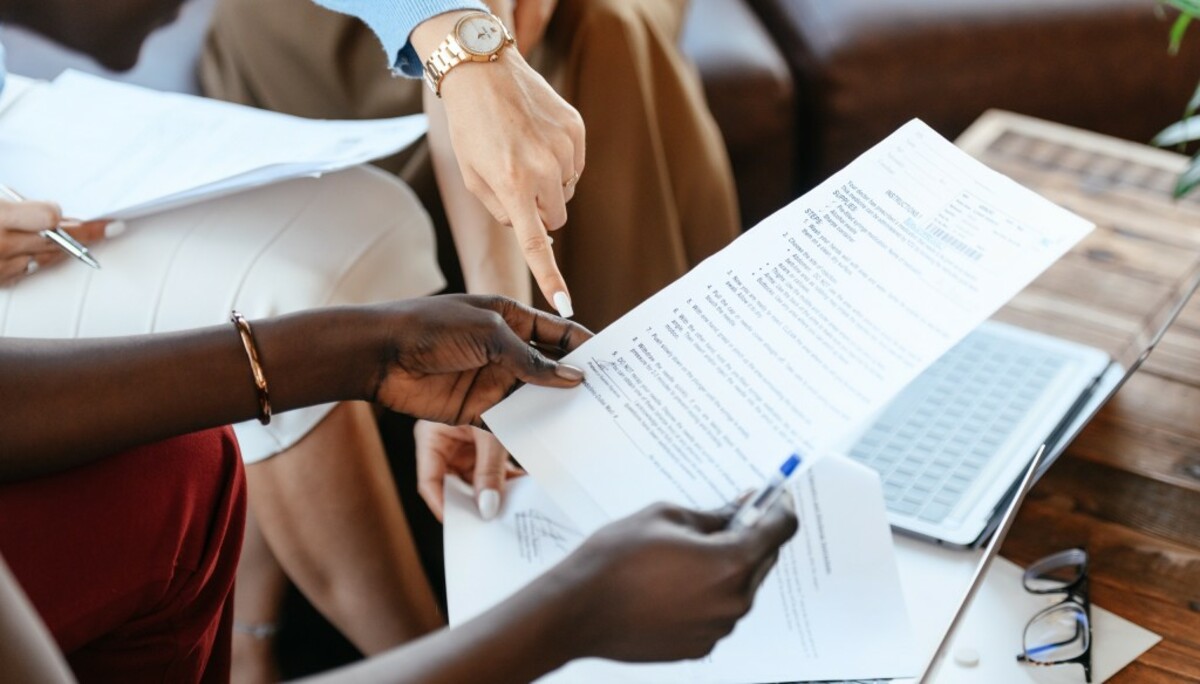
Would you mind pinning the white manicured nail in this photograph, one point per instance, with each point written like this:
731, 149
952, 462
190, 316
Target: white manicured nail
489, 503
32, 267
563, 303
114, 228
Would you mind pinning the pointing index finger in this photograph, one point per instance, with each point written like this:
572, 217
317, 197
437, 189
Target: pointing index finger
535, 247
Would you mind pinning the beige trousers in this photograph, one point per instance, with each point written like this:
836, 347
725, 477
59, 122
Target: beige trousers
658, 194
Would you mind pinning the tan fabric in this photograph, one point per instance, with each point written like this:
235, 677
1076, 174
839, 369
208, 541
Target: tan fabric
658, 194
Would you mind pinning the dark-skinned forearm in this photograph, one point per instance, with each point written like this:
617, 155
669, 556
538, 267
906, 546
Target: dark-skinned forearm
65, 402
528, 635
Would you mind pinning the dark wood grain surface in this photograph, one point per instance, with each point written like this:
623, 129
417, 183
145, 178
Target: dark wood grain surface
1128, 488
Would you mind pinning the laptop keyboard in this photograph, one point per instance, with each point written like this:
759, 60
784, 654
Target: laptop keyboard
939, 435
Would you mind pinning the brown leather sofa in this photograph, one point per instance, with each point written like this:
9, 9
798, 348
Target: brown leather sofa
862, 67
751, 93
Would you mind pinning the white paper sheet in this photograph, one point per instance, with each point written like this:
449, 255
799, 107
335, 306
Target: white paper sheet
835, 589
14, 87
106, 149
789, 338
935, 580
996, 620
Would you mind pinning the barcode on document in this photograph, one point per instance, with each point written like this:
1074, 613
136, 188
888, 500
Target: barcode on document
967, 250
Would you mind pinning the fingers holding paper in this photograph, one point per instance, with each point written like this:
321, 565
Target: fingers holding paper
492, 469
451, 358
670, 583
474, 455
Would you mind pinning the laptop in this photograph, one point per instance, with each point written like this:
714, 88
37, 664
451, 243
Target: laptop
1042, 458
952, 446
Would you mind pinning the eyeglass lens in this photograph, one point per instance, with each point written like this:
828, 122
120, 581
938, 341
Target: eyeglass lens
1059, 633
1057, 572
1062, 632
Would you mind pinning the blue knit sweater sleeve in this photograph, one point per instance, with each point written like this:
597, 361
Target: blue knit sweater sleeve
394, 20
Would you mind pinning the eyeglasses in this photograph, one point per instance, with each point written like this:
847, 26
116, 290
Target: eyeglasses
1062, 633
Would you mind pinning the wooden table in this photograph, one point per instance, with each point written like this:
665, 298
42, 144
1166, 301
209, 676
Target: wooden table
1128, 488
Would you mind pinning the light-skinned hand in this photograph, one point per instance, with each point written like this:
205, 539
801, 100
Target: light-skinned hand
23, 251
520, 146
474, 455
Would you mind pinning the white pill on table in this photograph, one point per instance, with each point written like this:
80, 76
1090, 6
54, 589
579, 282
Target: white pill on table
967, 657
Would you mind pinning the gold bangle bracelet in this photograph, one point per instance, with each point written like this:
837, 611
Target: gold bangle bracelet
260, 379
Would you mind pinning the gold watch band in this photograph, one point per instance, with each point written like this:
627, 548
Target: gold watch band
450, 53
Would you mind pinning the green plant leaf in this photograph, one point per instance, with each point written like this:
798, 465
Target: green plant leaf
1190, 178
1179, 132
1177, 30
1188, 129
1193, 104
1191, 7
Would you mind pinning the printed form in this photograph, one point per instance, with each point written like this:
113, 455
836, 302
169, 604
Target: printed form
786, 341
832, 608
789, 338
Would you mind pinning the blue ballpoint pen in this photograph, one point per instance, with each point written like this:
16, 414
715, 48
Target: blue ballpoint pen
756, 506
61, 238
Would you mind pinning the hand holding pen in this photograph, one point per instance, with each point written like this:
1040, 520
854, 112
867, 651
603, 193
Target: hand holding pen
761, 501
34, 234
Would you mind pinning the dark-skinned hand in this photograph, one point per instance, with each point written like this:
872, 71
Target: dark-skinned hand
668, 583
451, 358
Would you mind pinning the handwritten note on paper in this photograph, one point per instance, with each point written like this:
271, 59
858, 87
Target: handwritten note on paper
790, 337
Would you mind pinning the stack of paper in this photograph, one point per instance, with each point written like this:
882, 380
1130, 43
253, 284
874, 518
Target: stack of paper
109, 150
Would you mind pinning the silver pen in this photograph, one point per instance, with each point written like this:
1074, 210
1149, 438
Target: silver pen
756, 506
61, 238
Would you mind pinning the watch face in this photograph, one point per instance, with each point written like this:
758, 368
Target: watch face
480, 34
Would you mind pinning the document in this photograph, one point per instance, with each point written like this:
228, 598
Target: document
103, 149
791, 337
14, 87
832, 608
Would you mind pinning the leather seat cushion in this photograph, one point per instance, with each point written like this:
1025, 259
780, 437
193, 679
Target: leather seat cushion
865, 67
751, 93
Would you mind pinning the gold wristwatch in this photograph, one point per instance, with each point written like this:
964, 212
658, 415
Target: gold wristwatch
477, 37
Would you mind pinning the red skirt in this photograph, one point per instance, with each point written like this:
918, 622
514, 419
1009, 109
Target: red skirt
131, 560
